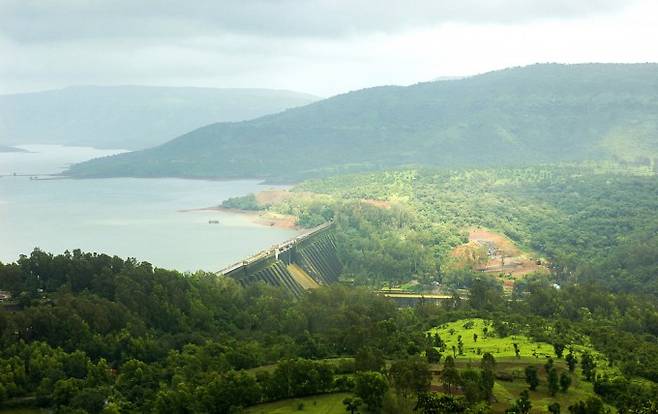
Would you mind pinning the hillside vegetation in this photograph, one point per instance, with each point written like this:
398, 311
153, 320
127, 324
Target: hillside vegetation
594, 222
99, 334
130, 117
520, 116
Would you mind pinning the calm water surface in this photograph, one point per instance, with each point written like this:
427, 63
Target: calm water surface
128, 217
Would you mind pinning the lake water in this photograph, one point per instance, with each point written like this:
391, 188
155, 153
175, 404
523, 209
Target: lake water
128, 217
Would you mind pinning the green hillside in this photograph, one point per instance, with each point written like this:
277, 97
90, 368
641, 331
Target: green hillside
529, 115
131, 117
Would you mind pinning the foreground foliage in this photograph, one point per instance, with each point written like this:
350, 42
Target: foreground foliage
97, 333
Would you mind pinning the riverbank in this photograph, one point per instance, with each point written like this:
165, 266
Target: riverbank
263, 218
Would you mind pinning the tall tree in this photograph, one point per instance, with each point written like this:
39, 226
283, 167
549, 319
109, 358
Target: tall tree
352, 404
571, 361
370, 387
553, 381
531, 377
565, 381
450, 374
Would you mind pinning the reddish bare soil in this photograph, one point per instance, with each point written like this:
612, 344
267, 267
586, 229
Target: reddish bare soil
377, 203
492, 252
269, 197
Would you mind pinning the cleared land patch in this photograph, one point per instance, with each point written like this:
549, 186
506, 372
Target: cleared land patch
510, 374
493, 253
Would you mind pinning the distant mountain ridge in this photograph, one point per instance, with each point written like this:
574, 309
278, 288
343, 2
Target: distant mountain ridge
130, 117
535, 114
4, 148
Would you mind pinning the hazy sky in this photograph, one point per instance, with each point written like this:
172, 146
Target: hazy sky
322, 47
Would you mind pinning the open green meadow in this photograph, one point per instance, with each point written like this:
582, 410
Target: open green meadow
315, 404
511, 367
488, 342
503, 347
506, 392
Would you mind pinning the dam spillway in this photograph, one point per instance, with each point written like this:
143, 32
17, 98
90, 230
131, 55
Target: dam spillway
305, 262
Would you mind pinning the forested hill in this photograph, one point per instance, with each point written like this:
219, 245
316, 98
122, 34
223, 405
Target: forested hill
131, 117
536, 114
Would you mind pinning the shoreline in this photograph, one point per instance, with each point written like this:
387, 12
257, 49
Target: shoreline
260, 217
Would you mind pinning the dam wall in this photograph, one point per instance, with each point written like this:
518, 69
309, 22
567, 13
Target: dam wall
304, 262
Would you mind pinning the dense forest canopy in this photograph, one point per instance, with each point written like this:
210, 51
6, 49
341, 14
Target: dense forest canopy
521, 116
102, 334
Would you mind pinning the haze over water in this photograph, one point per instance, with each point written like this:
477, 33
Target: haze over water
128, 217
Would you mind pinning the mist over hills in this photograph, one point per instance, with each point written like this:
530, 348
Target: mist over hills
535, 114
4, 148
130, 117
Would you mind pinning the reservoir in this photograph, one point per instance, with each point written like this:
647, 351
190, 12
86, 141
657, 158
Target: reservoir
148, 219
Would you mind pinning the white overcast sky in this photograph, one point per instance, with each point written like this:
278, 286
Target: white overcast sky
322, 47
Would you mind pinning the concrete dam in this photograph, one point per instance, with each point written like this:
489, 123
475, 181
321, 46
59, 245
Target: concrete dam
304, 262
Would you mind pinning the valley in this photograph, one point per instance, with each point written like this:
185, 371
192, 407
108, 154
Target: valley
371, 286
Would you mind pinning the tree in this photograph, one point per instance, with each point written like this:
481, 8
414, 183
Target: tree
438, 342
410, 376
522, 404
554, 408
517, 350
433, 356
487, 375
553, 382
433, 403
471, 385
565, 381
369, 359
179, 401
352, 404
300, 377
450, 375
571, 361
371, 386
559, 349
228, 392
531, 377
485, 293
589, 366
593, 405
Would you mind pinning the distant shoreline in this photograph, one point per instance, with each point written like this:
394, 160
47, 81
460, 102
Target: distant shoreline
8, 149
260, 217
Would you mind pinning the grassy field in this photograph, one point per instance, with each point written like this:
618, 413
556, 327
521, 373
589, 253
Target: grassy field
531, 353
315, 404
498, 347
506, 392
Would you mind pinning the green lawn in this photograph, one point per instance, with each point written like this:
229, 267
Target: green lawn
315, 404
531, 353
504, 347
506, 392
498, 347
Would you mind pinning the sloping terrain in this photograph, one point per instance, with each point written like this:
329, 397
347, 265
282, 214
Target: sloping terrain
520, 116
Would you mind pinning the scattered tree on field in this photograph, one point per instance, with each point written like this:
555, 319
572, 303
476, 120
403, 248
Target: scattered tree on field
531, 377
